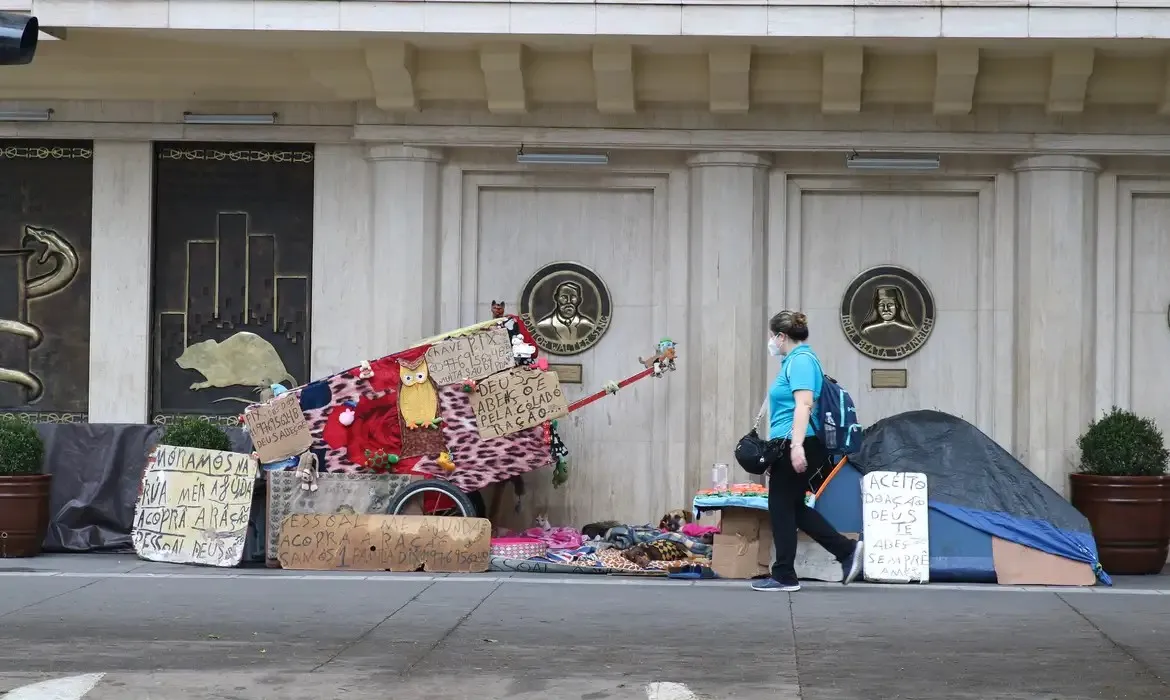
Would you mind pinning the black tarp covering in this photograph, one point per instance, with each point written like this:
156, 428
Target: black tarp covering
964, 467
96, 470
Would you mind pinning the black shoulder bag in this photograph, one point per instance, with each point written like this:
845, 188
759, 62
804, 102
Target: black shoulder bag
755, 454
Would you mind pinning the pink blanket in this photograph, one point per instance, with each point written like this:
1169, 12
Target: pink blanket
557, 537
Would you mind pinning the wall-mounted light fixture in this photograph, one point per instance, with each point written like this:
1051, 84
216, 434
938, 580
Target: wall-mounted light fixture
561, 158
885, 161
26, 115
260, 119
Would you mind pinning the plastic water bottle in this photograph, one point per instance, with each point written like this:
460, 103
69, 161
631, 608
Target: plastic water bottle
719, 474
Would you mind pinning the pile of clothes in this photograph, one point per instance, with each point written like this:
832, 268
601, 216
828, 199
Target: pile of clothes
675, 544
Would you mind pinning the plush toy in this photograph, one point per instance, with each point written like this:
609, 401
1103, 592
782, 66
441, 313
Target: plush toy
445, 462
307, 471
663, 359
522, 350
366, 371
278, 389
497, 309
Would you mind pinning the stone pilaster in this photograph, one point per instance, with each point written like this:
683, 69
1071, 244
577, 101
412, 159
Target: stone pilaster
1055, 328
404, 281
728, 193
120, 282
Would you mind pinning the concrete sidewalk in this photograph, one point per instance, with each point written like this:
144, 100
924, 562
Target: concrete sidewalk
176, 632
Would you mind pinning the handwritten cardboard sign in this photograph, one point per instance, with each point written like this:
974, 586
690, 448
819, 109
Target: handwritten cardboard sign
512, 401
470, 357
194, 506
894, 518
278, 429
320, 542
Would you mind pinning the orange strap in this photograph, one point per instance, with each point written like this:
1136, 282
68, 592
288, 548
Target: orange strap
830, 476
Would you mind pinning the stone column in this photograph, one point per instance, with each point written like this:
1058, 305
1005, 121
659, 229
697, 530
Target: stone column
404, 284
342, 260
1055, 328
727, 342
120, 282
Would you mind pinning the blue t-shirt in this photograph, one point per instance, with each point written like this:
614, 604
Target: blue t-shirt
798, 371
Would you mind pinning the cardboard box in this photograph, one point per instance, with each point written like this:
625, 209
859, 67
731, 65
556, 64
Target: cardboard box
743, 549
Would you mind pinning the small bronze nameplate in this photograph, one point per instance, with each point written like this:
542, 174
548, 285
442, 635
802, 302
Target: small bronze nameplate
887, 378
568, 374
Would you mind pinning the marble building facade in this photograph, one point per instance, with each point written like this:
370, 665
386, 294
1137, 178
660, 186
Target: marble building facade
726, 196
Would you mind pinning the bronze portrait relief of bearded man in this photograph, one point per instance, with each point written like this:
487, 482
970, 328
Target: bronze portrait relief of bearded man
566, 307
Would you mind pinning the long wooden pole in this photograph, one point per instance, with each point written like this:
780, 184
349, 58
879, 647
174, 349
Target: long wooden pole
581, 403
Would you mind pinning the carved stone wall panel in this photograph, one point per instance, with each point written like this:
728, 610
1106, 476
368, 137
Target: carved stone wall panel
233, 243
46, 195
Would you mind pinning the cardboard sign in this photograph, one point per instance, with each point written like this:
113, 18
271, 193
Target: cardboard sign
278, 428
317, 542
894, 518
470, 357
194, 506
512, 401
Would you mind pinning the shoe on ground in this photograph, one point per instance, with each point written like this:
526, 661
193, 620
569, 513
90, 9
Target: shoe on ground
851, 567
771, 584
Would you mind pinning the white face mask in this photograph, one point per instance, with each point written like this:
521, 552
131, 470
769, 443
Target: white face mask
773, 347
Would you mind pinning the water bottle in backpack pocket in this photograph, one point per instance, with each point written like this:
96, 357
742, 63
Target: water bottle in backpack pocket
837, 427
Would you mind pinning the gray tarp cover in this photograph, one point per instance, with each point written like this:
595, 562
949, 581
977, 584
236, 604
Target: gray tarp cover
963, 466
96, 470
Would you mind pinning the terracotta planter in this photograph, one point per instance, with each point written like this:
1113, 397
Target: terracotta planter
24, 514
1130, 516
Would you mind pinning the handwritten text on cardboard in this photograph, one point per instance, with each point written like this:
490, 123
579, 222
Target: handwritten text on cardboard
516, 400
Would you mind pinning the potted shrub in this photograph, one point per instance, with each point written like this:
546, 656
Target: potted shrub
24, 490
1123, 489
193, 432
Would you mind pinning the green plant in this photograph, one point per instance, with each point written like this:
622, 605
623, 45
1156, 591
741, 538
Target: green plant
193, 432
1121, 443
21, 449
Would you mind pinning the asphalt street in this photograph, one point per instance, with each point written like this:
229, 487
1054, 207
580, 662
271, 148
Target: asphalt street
185, 633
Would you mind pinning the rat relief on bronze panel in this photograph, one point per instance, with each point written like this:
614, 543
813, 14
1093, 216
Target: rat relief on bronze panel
233, 246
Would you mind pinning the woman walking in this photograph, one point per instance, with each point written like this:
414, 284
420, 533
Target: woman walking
791, 400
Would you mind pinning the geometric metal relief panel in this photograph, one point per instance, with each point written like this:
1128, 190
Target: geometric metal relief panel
233, 250
46, 195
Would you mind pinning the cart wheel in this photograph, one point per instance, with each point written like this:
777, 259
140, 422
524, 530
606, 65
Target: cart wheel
435, 497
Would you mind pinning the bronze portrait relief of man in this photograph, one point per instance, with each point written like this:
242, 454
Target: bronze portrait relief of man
565, 322
887, 313
567, 307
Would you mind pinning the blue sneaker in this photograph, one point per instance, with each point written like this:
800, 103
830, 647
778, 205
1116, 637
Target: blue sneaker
771, 584
851, 567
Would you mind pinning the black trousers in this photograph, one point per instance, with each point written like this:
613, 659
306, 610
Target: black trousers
788, 512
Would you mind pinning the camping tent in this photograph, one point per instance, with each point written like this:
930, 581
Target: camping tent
990, 518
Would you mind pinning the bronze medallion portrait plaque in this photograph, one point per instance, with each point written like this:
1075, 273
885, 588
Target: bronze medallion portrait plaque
887, 313
566, 307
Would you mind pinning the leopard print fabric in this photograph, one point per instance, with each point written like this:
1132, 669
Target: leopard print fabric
480, 462
342, 387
